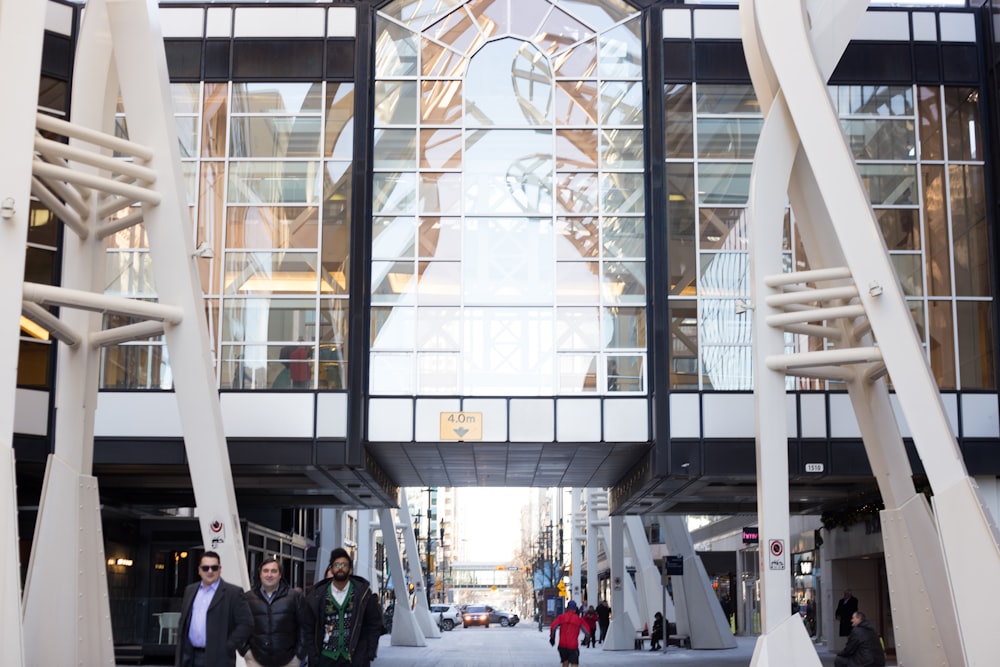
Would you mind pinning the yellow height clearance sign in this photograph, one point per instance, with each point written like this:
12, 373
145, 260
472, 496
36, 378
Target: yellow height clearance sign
461, 425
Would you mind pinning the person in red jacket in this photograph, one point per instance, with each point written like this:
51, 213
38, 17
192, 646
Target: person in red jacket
590, 618
569, 625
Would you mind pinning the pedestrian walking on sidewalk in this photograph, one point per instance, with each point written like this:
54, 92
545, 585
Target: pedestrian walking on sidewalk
569, 624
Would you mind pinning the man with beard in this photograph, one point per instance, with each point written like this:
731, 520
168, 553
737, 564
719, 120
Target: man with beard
342, 618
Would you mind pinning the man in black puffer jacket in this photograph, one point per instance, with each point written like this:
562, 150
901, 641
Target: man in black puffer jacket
277, 639
864, 648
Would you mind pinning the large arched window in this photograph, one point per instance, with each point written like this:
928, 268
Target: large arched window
508, 228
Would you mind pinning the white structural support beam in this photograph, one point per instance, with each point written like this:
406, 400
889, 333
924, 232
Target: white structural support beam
648, 581
792, 46
120, 50
21, 33
698, 612
421, 609
405, 629
621, 631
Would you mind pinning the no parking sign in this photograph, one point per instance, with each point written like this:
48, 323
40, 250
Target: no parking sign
776, 554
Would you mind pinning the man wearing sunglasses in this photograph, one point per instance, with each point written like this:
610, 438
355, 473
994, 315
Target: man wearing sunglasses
215, 619
342, 618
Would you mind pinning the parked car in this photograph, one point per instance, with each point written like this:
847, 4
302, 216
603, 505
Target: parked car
446, 615
507, 619
476, 615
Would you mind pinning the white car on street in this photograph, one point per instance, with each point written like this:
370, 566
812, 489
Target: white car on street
447, 616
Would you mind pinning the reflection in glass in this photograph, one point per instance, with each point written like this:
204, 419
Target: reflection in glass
577, 373
440, 238
394, 149
135, 365
683, 344
890, 184
271, 273
509, 85
624, 237
622, 149
280, 98
880, 139
437, 373
731, 138
439, 329
577, 192
969, 231
440, 193
679, 120
393, 282
580, 236
900, 227
724, 184
339, 120
723, 228
395, 103
274, 136
213, 122
725, 274
624, 283
576, 149
931, 131
909, 271
577, 328
976, 344
438, 60
508, 171
623, 193
265, 227
626, 373
577, 283
391, 373
681, 229
394, 193
625, 327
440, 102
441, 148
873, 100
937, 249
439, 283
274, 182
727, 99
513, 261
621, 103
941, 343
395, 50
962, 114
128, 273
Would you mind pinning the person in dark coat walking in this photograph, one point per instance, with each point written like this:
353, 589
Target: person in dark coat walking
603, 618
846, 607
277, 639
864, 648
215, 619
342, 618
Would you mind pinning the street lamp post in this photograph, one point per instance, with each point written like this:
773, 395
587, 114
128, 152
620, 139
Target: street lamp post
430, 556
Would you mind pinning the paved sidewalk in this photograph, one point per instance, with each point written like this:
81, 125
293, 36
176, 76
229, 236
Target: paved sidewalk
524, 646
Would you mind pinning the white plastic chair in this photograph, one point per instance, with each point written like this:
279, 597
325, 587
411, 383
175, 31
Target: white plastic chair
169, 620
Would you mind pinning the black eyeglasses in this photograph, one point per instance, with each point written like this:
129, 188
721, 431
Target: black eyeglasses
209, 568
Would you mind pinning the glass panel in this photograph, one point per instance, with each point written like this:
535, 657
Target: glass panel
274, 136
129, 273
337, 195
621, 103
439, 329
880, 139
624, 237
725, 274
439, 282
576, 149
440, 238
339, 120
282, 98
527, 17
440, 193
526, 101
624, 283
683, 343
965, 140
975, 344
331, 362
733, 138
909, 271
262, 319
577, 192
625, 327
877, 100
265, 273
393, 237
937, 250
900, 227
557, 28
52, 95
626, 373
393, 282
578, 61
576, 238
214, 115
33, 364
440, 102
723, 228
577, 329
727, 99
441, 148
135, 366
577, 373
185, 97
622, 149
577, 282
969, 230
679, 121
620, 52
597, 13
437, 373
211, 204
187, 135
40, 266
393, 328
42, 225
724, 184
260, 367
396, 102
681, 229
931, 137
623, 193
941, 343
394, 149
508, 260
576, 104
496, 360
394, 193
491, 15
508, 171
438, 60
265, 227
456, 29
890, 184
278, 182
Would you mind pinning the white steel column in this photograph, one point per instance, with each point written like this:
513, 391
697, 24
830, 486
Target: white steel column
594, 522
120, 48
21, 34
421, 609
621, 632
848, 302
405, 629
578, 535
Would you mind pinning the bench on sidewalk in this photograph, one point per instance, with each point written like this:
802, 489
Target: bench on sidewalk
674, 639
641, 640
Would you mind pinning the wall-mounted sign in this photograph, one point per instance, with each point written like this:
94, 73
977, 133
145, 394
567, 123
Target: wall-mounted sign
674, 565
750, 534
776, 554
461, 425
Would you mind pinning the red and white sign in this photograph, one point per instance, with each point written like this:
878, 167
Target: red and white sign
776, 554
